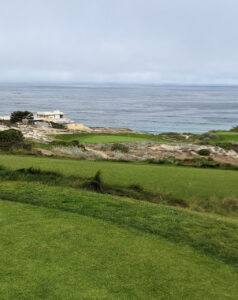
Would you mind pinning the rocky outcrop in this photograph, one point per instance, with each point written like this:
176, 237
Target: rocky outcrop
154, 150
39, 134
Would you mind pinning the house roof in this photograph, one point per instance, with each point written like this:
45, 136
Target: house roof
47, 113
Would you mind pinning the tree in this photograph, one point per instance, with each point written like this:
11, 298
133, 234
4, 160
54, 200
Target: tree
11, 139
18, 116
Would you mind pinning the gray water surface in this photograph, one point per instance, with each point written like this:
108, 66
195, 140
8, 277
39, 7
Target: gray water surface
139, 107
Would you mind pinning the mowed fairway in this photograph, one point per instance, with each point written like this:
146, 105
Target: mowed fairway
225, 137
184, 182
95, 138
53, 254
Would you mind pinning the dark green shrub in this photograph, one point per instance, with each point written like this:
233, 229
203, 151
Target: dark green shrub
228, 146
82, 147
11, 139
57, 125
34, 171
27, 147
95, 184
75, 143
235, 129
204, 152
208, 136
120, 147
18, 116
59, 143
136, 187
170, 200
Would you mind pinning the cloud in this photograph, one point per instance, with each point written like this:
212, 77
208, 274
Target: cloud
158, 41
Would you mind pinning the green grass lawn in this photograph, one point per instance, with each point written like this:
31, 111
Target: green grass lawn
187, 183
225, 137
79, 245
95, 138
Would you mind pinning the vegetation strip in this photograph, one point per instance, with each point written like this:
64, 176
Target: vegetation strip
94, 184
209, 235
194, 162
227, 206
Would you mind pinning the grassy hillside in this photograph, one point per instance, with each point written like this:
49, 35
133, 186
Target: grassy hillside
187, 183
80, 245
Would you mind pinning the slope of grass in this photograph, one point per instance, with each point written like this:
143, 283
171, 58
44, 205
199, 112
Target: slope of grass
186, 183
226, 207
213, 236
50, 254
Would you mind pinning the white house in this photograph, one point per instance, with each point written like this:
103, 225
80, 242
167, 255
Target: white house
50, 115
55, 116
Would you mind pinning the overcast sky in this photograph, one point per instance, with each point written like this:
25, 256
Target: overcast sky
144, 41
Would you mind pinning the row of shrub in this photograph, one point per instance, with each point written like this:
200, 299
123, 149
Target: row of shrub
94, 183
74, 143
229, 146
194, 162
12, 140
120, 147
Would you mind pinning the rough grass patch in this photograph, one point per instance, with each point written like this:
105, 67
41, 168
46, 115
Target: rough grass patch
95, 184
120, 147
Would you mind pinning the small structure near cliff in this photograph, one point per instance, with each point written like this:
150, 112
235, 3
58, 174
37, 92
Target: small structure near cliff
55, 116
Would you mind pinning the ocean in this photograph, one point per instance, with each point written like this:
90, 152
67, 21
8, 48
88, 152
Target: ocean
147, 108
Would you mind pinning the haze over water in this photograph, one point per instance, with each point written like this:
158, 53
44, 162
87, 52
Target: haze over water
146, 108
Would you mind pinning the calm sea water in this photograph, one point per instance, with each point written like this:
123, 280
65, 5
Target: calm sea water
144, 108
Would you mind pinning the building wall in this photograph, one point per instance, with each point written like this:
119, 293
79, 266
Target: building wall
49, 117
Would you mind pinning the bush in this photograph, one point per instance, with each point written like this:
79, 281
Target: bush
201, 162
120, 147
208, 136
35, 171
27, 147
18, 116
11, 139
95, 184
204, 152
228, 146
57, 125
75, 143
235, 129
